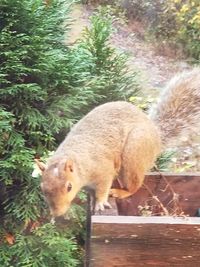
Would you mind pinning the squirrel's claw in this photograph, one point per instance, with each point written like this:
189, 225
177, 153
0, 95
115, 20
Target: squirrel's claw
102, 205
52, 220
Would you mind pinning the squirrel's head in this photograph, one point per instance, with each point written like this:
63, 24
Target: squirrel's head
59, 185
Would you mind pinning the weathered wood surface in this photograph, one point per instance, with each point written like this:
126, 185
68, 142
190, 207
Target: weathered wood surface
121, 241
186, 187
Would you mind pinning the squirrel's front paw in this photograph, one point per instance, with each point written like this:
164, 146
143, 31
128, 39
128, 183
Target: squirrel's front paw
100, 206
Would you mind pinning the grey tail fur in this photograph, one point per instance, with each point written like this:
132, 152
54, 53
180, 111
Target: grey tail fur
177, 113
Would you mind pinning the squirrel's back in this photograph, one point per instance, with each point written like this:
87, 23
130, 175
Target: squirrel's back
107, 125
178, 111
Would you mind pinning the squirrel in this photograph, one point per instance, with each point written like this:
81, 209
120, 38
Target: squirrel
118, 140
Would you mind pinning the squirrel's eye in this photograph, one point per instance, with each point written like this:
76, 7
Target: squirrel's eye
68, 186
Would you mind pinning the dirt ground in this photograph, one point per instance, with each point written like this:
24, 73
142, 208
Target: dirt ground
155, 65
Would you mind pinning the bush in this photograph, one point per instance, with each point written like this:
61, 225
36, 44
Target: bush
188, 20
175, 22
110, 78
43, 246
179, 23
36, 99
46, 86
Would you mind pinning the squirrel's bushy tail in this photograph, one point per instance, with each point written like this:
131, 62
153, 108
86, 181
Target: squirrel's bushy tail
177, 113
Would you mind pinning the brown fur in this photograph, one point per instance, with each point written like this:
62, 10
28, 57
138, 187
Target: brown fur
116, 140
178, 109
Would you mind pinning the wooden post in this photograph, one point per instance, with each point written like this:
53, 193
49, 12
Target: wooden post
112, 212
88, 232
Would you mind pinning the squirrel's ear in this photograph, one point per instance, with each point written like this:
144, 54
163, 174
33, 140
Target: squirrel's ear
69, 165
40, 164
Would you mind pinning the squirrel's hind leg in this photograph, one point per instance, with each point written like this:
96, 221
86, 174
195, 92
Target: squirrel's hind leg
119, 193
140, 151
133, 186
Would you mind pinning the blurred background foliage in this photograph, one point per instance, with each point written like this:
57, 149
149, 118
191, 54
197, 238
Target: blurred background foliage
176, 22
